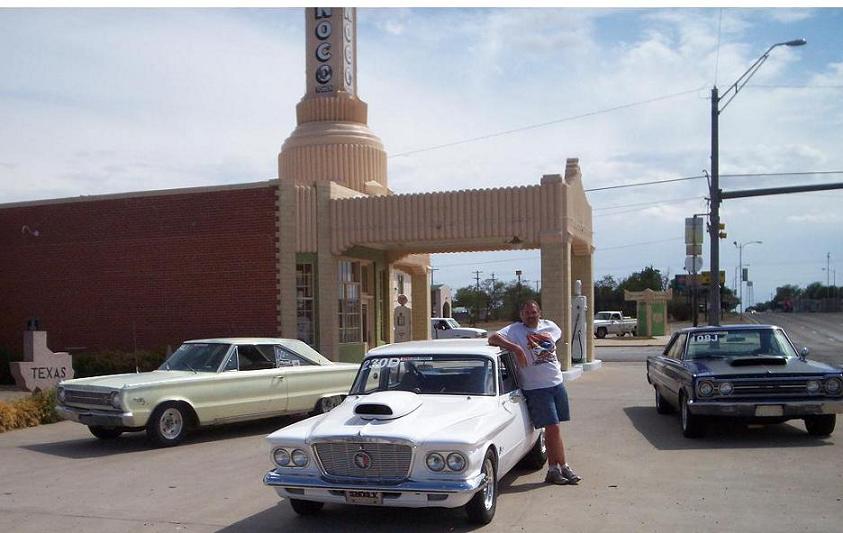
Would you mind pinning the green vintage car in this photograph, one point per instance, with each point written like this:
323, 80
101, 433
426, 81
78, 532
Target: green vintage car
208, 382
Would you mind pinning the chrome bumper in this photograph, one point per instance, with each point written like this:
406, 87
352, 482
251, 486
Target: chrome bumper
789, 409
462, 486
96, 418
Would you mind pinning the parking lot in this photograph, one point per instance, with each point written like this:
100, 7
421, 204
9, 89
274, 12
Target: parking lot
640, 475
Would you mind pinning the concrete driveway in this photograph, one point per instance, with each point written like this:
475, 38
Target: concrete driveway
640, 475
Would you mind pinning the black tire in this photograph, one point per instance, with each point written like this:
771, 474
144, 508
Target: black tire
168, 424
692, 425
305, 507
105, 432
481, 508
601, 333
662, 406
537, 456
820, 425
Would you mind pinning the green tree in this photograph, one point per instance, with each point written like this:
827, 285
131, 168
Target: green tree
472, 299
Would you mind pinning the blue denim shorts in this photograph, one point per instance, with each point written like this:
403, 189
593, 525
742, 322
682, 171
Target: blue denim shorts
548, 406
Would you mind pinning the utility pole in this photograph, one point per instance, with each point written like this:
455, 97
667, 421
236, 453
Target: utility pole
827, 272
477, 299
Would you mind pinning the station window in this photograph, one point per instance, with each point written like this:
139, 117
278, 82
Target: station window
349, 301
304, 303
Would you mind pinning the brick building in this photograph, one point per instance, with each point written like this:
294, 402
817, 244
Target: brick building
321, 253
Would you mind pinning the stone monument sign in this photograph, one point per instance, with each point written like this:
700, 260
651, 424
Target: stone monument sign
41, 368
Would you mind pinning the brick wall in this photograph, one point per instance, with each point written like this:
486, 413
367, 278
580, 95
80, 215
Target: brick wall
140, 271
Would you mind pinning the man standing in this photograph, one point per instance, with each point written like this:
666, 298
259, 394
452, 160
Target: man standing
533, 341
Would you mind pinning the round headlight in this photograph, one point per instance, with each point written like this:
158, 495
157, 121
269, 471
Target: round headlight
833, 385
299, 457
456, 462
812, 386
114, 400
435, 462
705, 388
281, 457
726, 388
60, 394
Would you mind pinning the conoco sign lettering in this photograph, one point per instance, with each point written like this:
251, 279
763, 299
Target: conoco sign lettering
323, 52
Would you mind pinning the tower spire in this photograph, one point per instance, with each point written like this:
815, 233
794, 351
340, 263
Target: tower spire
332, 141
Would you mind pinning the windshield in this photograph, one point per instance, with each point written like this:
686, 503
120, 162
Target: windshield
425, 374
739, 343
197, 357
453, 323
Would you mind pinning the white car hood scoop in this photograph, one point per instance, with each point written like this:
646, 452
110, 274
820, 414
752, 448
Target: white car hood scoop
387, 405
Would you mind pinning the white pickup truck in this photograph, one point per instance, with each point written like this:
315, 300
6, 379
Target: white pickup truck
606, 322
448, 328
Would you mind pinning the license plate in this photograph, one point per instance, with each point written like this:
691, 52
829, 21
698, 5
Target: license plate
769, 410
364, 497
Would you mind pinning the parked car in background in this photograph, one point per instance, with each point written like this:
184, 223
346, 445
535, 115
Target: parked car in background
448, 328
426, 424
749, 372
208, 382
613, 322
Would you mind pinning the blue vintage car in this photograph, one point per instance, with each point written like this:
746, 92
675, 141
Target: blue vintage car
751, 372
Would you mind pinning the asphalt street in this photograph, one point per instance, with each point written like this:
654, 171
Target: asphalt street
639, 473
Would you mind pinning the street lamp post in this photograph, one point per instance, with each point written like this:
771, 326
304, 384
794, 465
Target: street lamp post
714, 184
740, 267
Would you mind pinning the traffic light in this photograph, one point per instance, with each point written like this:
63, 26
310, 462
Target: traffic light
722, 229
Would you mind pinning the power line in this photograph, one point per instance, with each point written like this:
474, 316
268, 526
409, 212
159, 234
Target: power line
669, 200
753, 175
543, 124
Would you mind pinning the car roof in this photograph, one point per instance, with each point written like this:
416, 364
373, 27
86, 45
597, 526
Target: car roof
730, 327
437, 347
297, 346
243, 340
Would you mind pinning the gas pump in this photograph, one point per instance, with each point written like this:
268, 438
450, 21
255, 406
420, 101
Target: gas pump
579, 307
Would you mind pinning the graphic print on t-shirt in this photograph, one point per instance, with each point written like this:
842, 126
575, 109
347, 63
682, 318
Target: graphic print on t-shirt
542, 347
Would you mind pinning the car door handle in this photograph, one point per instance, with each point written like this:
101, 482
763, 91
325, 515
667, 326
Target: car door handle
277, 378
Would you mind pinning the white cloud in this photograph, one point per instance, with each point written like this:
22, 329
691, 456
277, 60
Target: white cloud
98, 102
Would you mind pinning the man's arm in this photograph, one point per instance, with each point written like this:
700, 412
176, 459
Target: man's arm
499, 340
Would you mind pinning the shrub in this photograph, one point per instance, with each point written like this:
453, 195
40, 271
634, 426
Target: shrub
6, 357
40, 408
115, 362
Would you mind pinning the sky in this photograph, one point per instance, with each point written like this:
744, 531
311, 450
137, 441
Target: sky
100, 101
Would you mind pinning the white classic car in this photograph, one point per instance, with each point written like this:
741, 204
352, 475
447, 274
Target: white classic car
426, 424
208, 382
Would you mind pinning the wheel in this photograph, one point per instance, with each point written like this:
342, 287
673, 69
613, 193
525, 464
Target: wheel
305, 507
634, 333
537, 456
820, 425
481, 508
601, 333
329, 402
105, 432
662, 407
168, 425
692, 425
621, 333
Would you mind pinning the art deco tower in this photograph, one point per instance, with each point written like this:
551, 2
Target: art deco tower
332, 141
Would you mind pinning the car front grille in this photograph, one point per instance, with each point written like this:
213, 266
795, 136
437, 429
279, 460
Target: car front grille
770, 388
99, 399
365, 460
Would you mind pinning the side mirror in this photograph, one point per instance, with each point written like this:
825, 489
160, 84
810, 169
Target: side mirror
803, 353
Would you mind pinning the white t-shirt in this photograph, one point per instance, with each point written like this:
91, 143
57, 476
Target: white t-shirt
539, 346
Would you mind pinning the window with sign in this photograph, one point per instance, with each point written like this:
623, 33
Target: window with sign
304, 303
349, 301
